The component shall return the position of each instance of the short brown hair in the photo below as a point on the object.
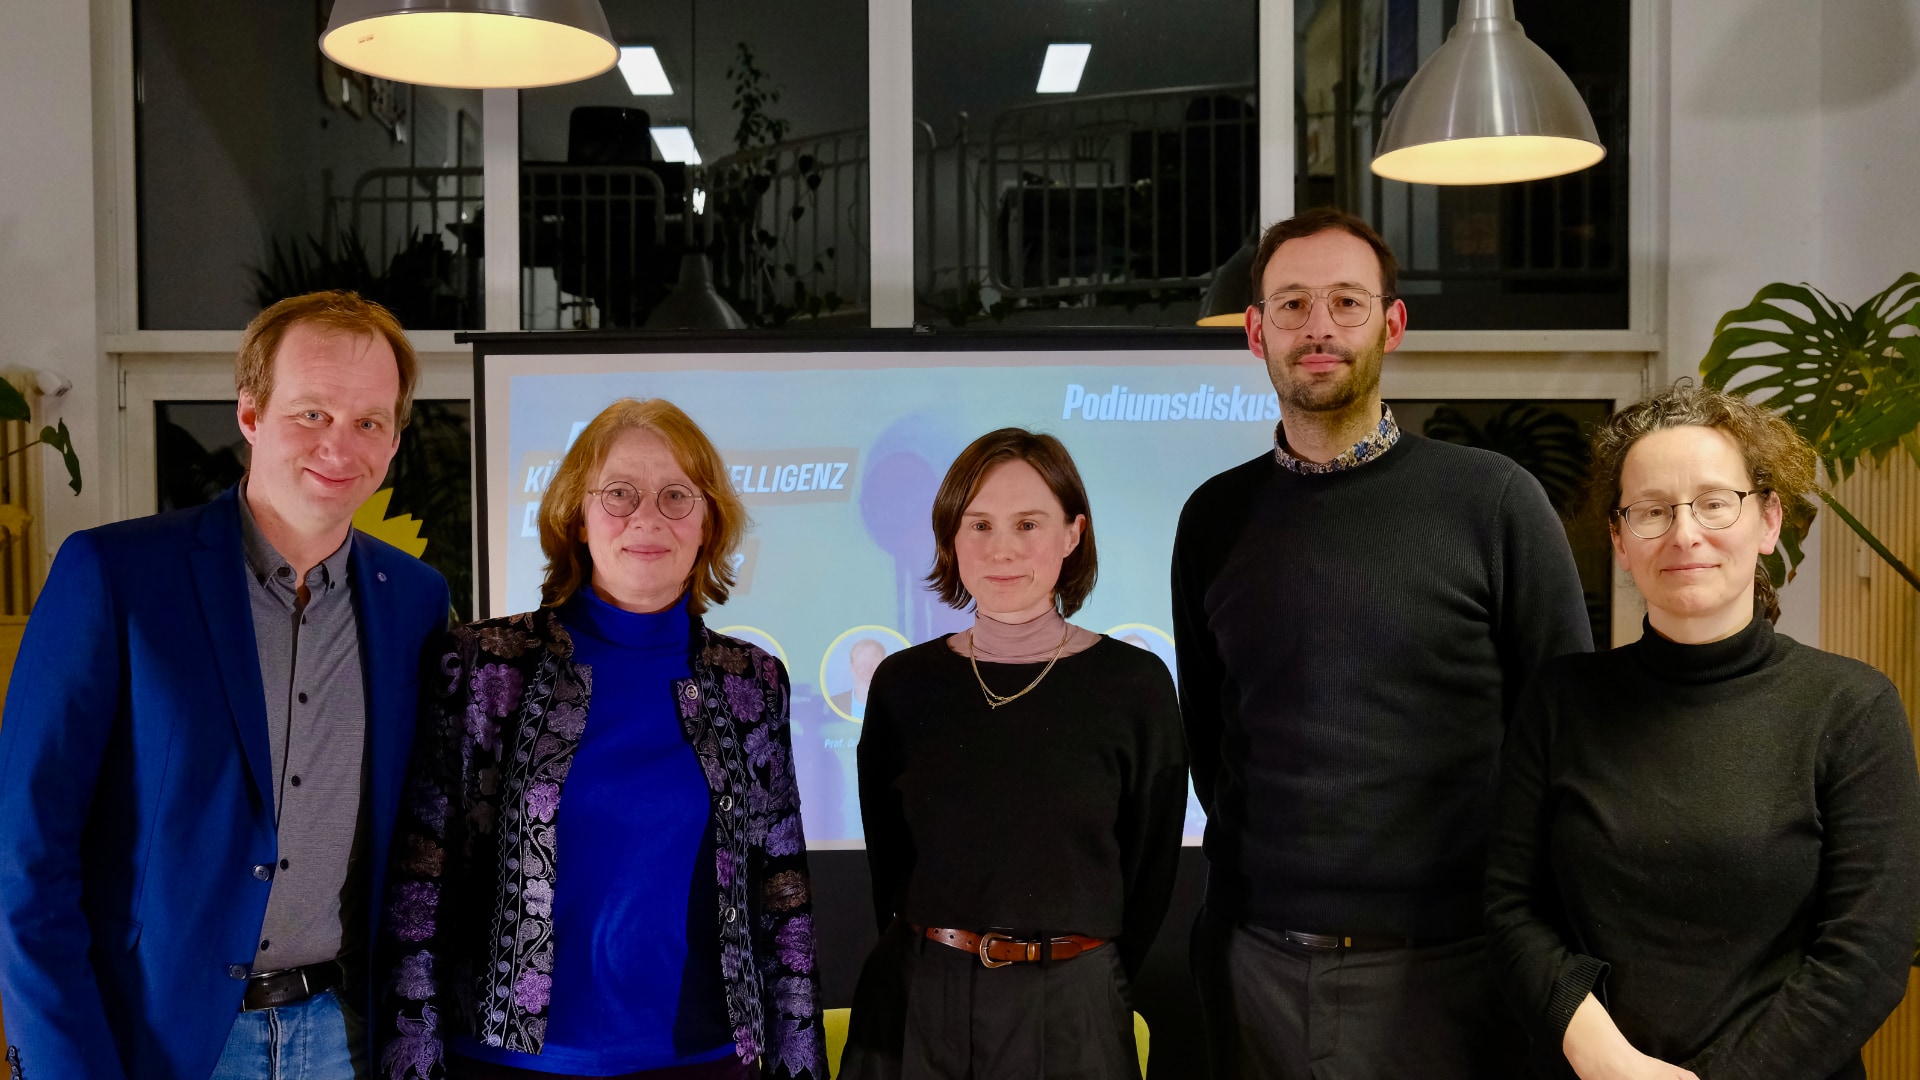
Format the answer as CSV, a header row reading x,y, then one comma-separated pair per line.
x,y
336,311
563,507
1051,460
1318,220
1776,456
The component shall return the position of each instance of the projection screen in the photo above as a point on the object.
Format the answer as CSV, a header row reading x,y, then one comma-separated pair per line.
x,y
837,446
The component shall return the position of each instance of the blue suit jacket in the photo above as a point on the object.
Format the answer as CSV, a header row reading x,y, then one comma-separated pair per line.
x,y
135,781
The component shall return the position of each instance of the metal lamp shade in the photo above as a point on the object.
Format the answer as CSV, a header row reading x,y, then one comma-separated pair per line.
x,y
1488,107
472,44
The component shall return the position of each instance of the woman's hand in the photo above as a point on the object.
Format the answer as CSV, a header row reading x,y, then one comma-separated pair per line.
x,y
1598,1051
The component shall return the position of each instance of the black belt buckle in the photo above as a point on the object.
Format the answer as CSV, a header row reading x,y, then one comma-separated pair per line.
x,y
285,986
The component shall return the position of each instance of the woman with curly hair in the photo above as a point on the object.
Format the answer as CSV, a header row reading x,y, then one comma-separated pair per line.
x,y
601,870
1706,860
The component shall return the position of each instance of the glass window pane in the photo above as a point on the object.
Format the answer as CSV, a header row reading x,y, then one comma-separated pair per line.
x,y
1553,440
199,452
756,113
1110,204
266,171
1551,254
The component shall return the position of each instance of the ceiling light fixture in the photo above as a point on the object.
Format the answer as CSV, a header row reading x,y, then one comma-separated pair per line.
x,y
640,66
1488,107
1060,72
676,144
471,44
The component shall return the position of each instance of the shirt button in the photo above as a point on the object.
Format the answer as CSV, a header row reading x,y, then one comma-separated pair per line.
x,y
236,971
264,944
263,872
284,864
733,914
726,802
303,699
692,691
285,571
295,781
381,575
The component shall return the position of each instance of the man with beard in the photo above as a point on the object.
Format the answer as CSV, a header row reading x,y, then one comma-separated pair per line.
x,y
1355,612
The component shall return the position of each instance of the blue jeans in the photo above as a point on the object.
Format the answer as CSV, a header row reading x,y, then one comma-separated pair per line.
x,y
318,1039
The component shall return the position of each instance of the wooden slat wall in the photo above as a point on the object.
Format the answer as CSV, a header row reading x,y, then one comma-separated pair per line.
x,y
1869,613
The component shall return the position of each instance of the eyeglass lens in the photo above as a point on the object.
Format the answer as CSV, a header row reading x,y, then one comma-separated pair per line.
x,y
1651,518
1346,307
674,501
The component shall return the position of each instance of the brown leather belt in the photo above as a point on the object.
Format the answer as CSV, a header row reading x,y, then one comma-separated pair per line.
x,y
999,950
290,986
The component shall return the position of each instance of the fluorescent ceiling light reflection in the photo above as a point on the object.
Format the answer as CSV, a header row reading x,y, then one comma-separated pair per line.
x,y
676,144
640,66
1060,74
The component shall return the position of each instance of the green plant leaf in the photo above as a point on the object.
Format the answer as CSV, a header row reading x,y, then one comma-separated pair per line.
x,y
13,404
1809,364
61,440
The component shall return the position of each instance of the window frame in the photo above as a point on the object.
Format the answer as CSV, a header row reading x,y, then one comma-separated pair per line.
x,y
1431,363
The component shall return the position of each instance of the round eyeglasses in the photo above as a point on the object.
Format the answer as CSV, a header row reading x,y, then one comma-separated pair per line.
x,y
1650,519
621,499
1346,307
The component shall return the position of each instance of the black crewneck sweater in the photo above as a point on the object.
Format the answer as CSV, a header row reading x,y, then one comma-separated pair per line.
x,y
1721,842
1351,645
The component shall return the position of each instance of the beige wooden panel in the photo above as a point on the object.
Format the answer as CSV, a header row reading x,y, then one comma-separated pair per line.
x,y
1869,613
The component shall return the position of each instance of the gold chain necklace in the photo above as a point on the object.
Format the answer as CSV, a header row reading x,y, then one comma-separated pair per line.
x,y
994,700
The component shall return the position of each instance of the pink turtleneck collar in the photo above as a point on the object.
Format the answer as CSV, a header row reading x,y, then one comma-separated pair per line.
x,y
1030,642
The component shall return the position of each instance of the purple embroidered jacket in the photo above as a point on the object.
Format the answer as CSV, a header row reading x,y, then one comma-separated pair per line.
x,y
468,938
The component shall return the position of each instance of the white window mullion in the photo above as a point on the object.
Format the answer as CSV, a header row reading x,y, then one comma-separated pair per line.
x,y
500,158
1275,62
890,159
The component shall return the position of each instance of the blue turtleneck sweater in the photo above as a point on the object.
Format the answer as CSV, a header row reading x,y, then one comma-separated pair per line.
x,y
636,970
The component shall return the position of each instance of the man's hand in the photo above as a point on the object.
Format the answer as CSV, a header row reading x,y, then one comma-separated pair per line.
x,y
1598,1051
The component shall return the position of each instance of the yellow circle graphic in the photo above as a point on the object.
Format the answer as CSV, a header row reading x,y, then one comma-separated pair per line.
x,y
870,629
1149,628
763,636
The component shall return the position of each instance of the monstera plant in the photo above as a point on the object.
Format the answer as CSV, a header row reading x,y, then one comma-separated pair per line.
x,y
13,406
1847,378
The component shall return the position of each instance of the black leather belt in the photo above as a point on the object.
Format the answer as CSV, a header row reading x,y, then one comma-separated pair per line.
x,y
1361,941
290,986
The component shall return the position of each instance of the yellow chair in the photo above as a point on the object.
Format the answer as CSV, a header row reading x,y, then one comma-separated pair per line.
x,y
835,1021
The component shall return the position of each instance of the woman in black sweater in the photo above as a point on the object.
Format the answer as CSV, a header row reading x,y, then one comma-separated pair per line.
x,y
1707,857
1023,785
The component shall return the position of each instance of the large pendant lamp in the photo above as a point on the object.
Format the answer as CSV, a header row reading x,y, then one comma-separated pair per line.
x,y
471,44
1488,107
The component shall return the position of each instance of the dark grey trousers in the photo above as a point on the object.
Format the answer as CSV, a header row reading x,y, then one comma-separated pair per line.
x,y
1277,1011
925,1011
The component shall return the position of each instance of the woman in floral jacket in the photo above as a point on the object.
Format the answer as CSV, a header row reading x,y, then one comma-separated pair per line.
x,y
600,870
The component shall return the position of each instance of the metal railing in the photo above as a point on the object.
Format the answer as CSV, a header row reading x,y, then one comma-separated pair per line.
x,y
1119,192
595,248
792,226
416,233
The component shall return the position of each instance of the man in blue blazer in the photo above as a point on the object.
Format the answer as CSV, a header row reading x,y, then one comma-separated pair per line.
x,y
205,738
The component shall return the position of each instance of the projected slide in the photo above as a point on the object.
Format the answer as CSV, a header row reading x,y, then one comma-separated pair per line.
x,y
838,455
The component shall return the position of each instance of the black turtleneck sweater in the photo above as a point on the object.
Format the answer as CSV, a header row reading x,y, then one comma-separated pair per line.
x,y
1721,842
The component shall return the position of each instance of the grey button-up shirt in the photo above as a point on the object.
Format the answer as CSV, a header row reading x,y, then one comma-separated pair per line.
x,y
316,726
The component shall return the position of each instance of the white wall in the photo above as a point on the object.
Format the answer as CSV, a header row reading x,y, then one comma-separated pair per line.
x,y
1870,145
48,316
1792,157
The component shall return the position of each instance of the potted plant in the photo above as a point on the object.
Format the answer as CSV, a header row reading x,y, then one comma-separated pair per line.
x,y
1847,378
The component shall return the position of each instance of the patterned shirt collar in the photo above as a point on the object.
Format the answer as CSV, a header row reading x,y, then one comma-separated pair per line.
x,y
1367,449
